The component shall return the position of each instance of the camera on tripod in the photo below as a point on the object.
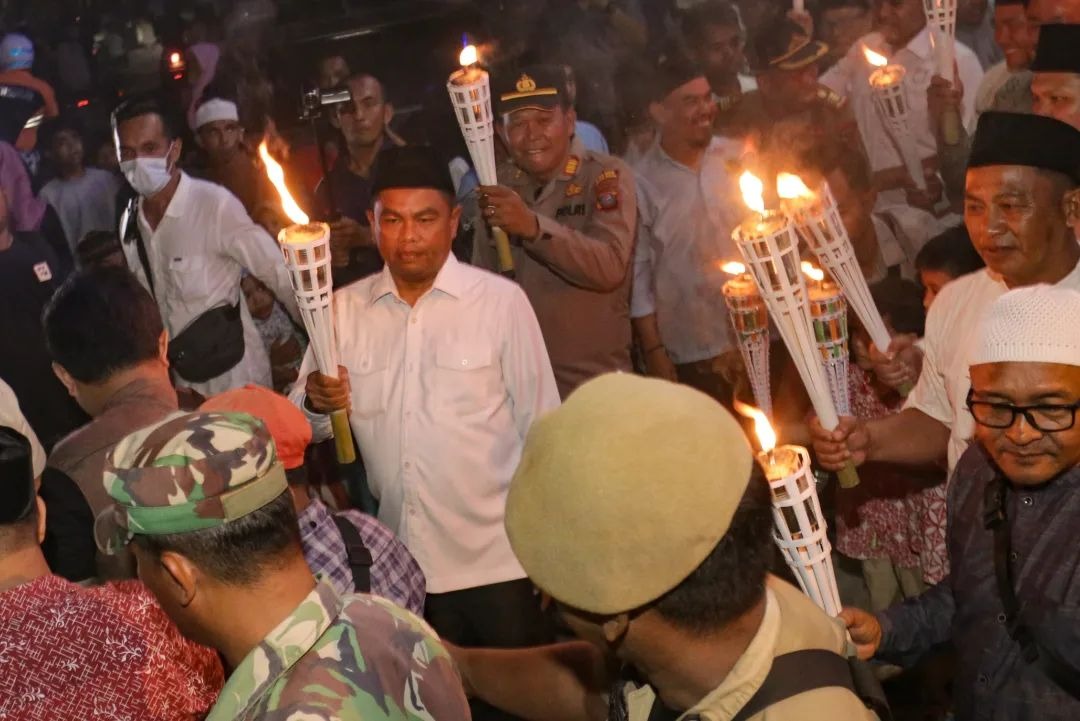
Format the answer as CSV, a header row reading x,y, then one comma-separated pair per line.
x,y
313,100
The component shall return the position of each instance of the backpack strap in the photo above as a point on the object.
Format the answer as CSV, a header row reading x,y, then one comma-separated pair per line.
x,y
359,556
801,671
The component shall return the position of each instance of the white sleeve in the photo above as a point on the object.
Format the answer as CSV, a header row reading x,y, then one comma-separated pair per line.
x,y
971,75
838,78
320,423
525,364
252,247
642,291
930,395
12,417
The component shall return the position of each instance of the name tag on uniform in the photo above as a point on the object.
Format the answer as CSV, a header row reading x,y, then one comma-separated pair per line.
x,y
570,210
43,272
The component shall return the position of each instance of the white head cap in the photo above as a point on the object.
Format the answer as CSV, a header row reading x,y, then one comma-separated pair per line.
x,y
215,109
1035,324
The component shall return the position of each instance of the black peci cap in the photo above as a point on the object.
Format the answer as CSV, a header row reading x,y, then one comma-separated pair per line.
x,y
1058,50
1022,139
410,166
673,70
17,492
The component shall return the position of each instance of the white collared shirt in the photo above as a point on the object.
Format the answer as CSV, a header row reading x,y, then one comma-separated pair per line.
x,y
851,77
443,394
685,221
197,254
952,329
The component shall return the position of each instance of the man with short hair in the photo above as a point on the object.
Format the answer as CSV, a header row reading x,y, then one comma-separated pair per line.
x,y
666,584
902,35
1009,604
349,549
975,29
716,40
76,653
84,198
188,242
1020,202
1007,85
687,210
444,372
570,215
840,23
364,122
1055,82
204,499
110,350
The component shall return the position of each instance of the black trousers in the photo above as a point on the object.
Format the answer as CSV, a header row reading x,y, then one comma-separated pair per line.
x,y
502,615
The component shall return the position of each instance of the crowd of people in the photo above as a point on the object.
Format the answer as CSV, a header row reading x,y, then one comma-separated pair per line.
x,y
556,512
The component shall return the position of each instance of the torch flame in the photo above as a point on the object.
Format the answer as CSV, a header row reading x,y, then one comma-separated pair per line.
x,y
753,191
468,56
277,178
733,267
762,428
812,272
876,59
790,187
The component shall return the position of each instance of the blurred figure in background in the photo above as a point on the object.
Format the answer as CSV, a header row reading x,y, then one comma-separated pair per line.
x,y
16,62
975,29
715,40
1007,85
840,23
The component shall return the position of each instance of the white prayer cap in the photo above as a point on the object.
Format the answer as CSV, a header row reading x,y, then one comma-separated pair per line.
x,y
1034,324
215,109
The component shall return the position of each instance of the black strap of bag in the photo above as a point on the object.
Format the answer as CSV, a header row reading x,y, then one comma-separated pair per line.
x,y
995,519
359,556
129,232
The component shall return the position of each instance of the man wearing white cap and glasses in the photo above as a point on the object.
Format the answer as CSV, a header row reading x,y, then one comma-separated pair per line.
x,y
1010,604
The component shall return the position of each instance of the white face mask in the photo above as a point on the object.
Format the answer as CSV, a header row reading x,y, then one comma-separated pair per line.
x,y
147,175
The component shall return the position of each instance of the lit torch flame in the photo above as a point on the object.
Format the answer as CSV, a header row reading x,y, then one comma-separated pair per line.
x,y
277,178
812,272
790,187
753,191
468,56
733,267
762,428
876,59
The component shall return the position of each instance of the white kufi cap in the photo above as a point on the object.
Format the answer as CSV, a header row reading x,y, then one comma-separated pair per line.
x,y
215,109
1034,324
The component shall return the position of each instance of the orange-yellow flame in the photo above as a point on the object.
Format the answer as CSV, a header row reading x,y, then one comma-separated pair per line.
x,y
762,428
876,59
753,191
277,178
812,272
733,267
790,187
469,56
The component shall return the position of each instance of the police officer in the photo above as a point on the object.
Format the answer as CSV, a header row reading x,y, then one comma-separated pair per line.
x,y
205,499
790,112
570,214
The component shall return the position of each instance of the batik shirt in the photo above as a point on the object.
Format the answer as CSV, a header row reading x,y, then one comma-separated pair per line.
x,y
351,658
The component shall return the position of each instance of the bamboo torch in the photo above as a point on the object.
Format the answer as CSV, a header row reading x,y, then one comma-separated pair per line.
x,y
306,249
890,98
941,17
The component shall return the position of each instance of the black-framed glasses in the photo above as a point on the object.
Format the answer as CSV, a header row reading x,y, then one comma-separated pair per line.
x,y
1048,418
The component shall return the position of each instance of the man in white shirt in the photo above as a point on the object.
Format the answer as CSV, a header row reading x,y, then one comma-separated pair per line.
x,y
1006,86
189,241
444,371
1023,173
688,206
904,38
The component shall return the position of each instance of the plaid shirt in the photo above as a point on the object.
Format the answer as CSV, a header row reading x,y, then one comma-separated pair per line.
x,y
394,572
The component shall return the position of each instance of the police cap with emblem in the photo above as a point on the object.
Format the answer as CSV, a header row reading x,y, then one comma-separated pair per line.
x,y
542,87
17,492
1022,139
1058,50
784,45
624,490
410,166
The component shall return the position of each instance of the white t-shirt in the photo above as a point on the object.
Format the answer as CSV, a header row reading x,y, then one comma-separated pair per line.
x,y
952,328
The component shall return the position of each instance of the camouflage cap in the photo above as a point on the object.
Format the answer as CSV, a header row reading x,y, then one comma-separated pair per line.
x,y
188,472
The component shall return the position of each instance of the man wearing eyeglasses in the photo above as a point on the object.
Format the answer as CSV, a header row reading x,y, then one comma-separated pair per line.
x,y
1011,604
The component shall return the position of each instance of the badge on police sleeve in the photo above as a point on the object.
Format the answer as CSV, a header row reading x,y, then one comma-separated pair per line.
x,y
607,190
42,271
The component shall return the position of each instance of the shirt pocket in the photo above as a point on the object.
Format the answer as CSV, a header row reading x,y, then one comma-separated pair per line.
x,y
368,382
189,281
467,378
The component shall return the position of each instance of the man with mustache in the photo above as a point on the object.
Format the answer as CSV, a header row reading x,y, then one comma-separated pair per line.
x,y
1010,602
570,215
1019,204
688,205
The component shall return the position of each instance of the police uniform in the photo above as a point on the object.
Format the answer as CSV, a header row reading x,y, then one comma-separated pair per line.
x,y
598,524
332,657
576,271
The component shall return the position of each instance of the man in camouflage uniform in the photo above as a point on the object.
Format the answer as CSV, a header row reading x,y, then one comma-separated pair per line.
x,y
204,498
791,112
570,214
